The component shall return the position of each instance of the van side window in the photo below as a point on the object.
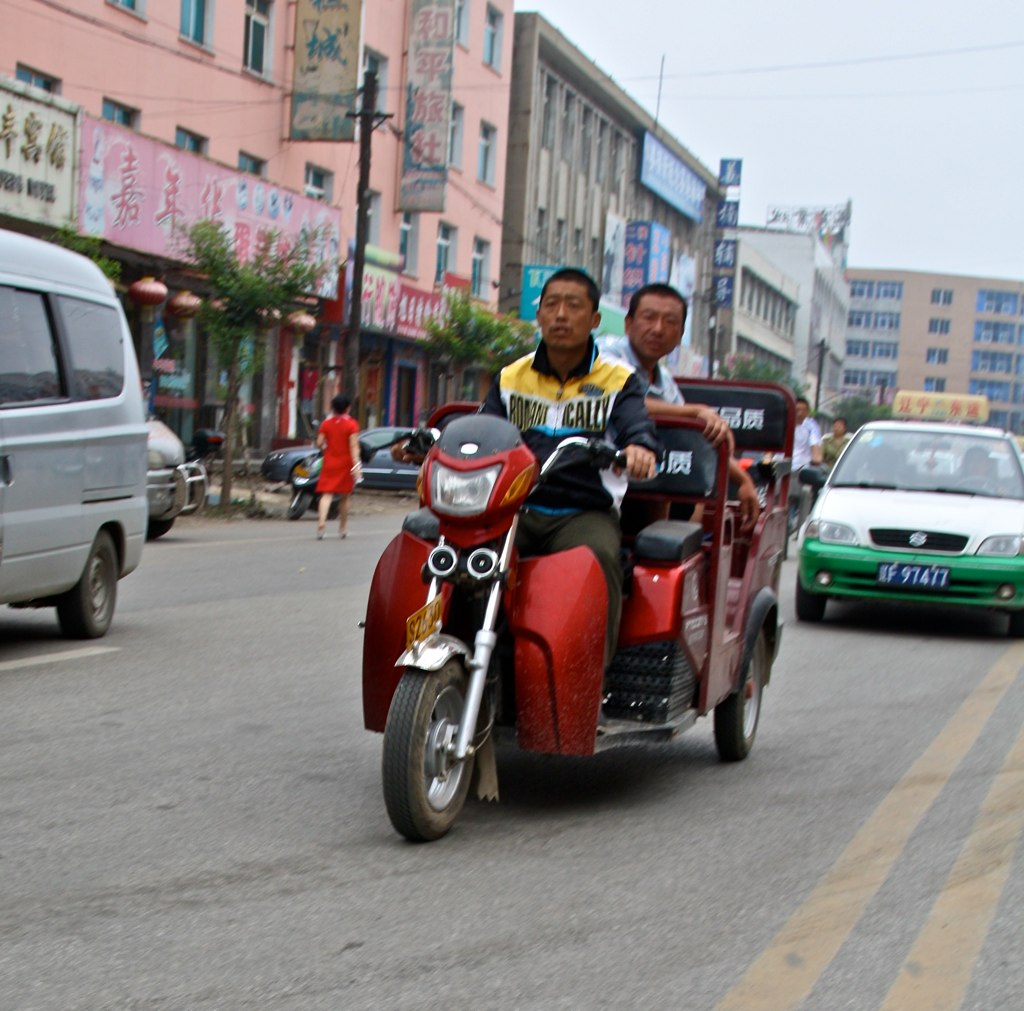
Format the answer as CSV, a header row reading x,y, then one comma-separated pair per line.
x,y
28,356
95,347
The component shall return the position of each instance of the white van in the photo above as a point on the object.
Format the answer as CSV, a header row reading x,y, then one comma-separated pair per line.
x,y
72,437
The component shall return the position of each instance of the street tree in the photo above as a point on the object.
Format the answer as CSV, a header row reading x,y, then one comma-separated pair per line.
x,y
748,367
470,336
246,299
858,411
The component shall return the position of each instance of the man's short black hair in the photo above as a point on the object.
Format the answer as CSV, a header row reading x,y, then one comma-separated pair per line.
x,y
804,401
839,417
655,288
340,403
580,277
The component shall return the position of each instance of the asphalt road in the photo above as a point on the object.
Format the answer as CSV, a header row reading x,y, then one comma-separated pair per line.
x,y
191,817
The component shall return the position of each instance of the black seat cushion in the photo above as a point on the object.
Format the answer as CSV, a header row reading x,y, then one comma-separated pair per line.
x,y
668,541
423,524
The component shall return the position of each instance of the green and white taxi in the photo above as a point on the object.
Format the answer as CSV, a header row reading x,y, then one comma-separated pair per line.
x,y
918,511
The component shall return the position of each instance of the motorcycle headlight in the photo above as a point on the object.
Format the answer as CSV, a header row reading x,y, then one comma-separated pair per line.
x,y
461,492
155,459
1006,545
830,533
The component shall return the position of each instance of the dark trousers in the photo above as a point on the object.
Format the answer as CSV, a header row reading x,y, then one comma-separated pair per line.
x,y
543,534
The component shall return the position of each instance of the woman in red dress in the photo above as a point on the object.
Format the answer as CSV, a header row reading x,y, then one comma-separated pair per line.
x,y
339,439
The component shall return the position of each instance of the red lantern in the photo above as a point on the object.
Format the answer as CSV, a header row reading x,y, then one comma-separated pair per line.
x,y
147,291
184,305
300,322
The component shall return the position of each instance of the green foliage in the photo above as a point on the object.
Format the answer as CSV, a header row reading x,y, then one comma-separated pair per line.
x,y
89,246
859,411
470,335
748,367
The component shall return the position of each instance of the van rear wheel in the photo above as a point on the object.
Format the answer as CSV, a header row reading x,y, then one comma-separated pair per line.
x,y
86,610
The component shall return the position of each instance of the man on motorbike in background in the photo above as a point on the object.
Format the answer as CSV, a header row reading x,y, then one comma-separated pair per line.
x,y
565,387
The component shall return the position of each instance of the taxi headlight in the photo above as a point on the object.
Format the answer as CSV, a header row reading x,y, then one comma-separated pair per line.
x,y
1001,544
830,533
461,492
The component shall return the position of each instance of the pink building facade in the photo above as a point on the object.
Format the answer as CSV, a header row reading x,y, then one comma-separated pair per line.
x,y
177,111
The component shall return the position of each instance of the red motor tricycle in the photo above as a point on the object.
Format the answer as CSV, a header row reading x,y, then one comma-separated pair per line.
x,y
466,641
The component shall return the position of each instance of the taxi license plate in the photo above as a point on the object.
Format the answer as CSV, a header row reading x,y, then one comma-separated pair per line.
x,y
421,624
926,577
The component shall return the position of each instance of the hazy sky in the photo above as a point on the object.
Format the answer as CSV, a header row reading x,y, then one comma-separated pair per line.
x,y
913,109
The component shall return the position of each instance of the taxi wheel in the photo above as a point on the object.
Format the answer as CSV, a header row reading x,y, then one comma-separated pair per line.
x,y
1016,628
809,606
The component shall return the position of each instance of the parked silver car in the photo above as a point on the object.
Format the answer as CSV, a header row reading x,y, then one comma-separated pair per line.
x,y
174,487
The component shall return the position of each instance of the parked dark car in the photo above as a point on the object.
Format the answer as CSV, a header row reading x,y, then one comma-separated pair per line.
x,y
379,469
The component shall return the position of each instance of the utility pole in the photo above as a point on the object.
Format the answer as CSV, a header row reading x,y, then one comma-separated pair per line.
x,y
369,120
821,363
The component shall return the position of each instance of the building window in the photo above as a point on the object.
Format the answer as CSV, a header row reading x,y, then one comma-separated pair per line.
x,y
568,125
862,289
319,183
446,236
193,21
189,141
884,349
942,296
409,242
547,128
586,139
937,356
887,321
251,164
890,289
939,326
561,233
257,35
934,384
38,80
492,38
481,269
986,332
455,136
462,22
595,256
373,218
129,5
992,361
577,247
858,349
379,65
488,154
541,240
855,377
123,115
991,388
1003,302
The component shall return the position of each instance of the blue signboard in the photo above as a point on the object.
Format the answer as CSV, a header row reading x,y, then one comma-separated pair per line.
x,y
730,171
648,252
728,214
723,291
667,175
534,277
725,253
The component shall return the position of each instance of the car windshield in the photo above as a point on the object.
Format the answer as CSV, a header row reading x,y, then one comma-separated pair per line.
x,y
952,463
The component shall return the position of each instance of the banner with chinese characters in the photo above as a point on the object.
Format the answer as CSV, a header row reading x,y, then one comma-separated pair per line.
x,y
326,78
142,194
37,157
648,256
940,406
427,105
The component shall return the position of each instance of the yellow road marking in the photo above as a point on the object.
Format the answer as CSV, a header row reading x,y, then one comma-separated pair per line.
x,y
938,969
68,654
786,971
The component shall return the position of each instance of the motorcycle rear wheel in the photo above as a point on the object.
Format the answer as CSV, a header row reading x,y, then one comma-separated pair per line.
x,y
300,502
737,715
424,790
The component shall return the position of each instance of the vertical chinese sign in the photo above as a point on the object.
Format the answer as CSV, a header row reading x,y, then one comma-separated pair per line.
x,y
326,78
427,105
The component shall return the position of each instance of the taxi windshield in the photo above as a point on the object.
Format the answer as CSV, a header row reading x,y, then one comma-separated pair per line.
x,y
918,460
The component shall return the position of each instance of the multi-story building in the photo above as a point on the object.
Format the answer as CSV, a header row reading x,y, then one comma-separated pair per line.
x,y
594,182
760,322
819,327
191,109
944,333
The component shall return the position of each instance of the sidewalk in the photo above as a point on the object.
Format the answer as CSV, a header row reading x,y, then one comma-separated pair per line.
x,y
273,497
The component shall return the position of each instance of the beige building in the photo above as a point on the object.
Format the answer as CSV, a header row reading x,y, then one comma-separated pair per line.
x,y
592,181
937,332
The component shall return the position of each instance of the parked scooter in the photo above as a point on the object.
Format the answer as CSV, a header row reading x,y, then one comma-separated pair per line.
x,y
305,475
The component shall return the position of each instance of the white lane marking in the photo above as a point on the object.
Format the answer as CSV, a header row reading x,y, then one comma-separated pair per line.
x,y
68,654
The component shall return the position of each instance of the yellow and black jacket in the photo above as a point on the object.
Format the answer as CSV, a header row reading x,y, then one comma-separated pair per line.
x,y
601,398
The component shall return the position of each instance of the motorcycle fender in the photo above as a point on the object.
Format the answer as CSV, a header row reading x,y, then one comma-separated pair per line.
x,y
557,613
396,591
434,653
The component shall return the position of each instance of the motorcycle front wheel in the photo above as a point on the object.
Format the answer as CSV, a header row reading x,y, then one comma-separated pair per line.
x,y
424,789
300,502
